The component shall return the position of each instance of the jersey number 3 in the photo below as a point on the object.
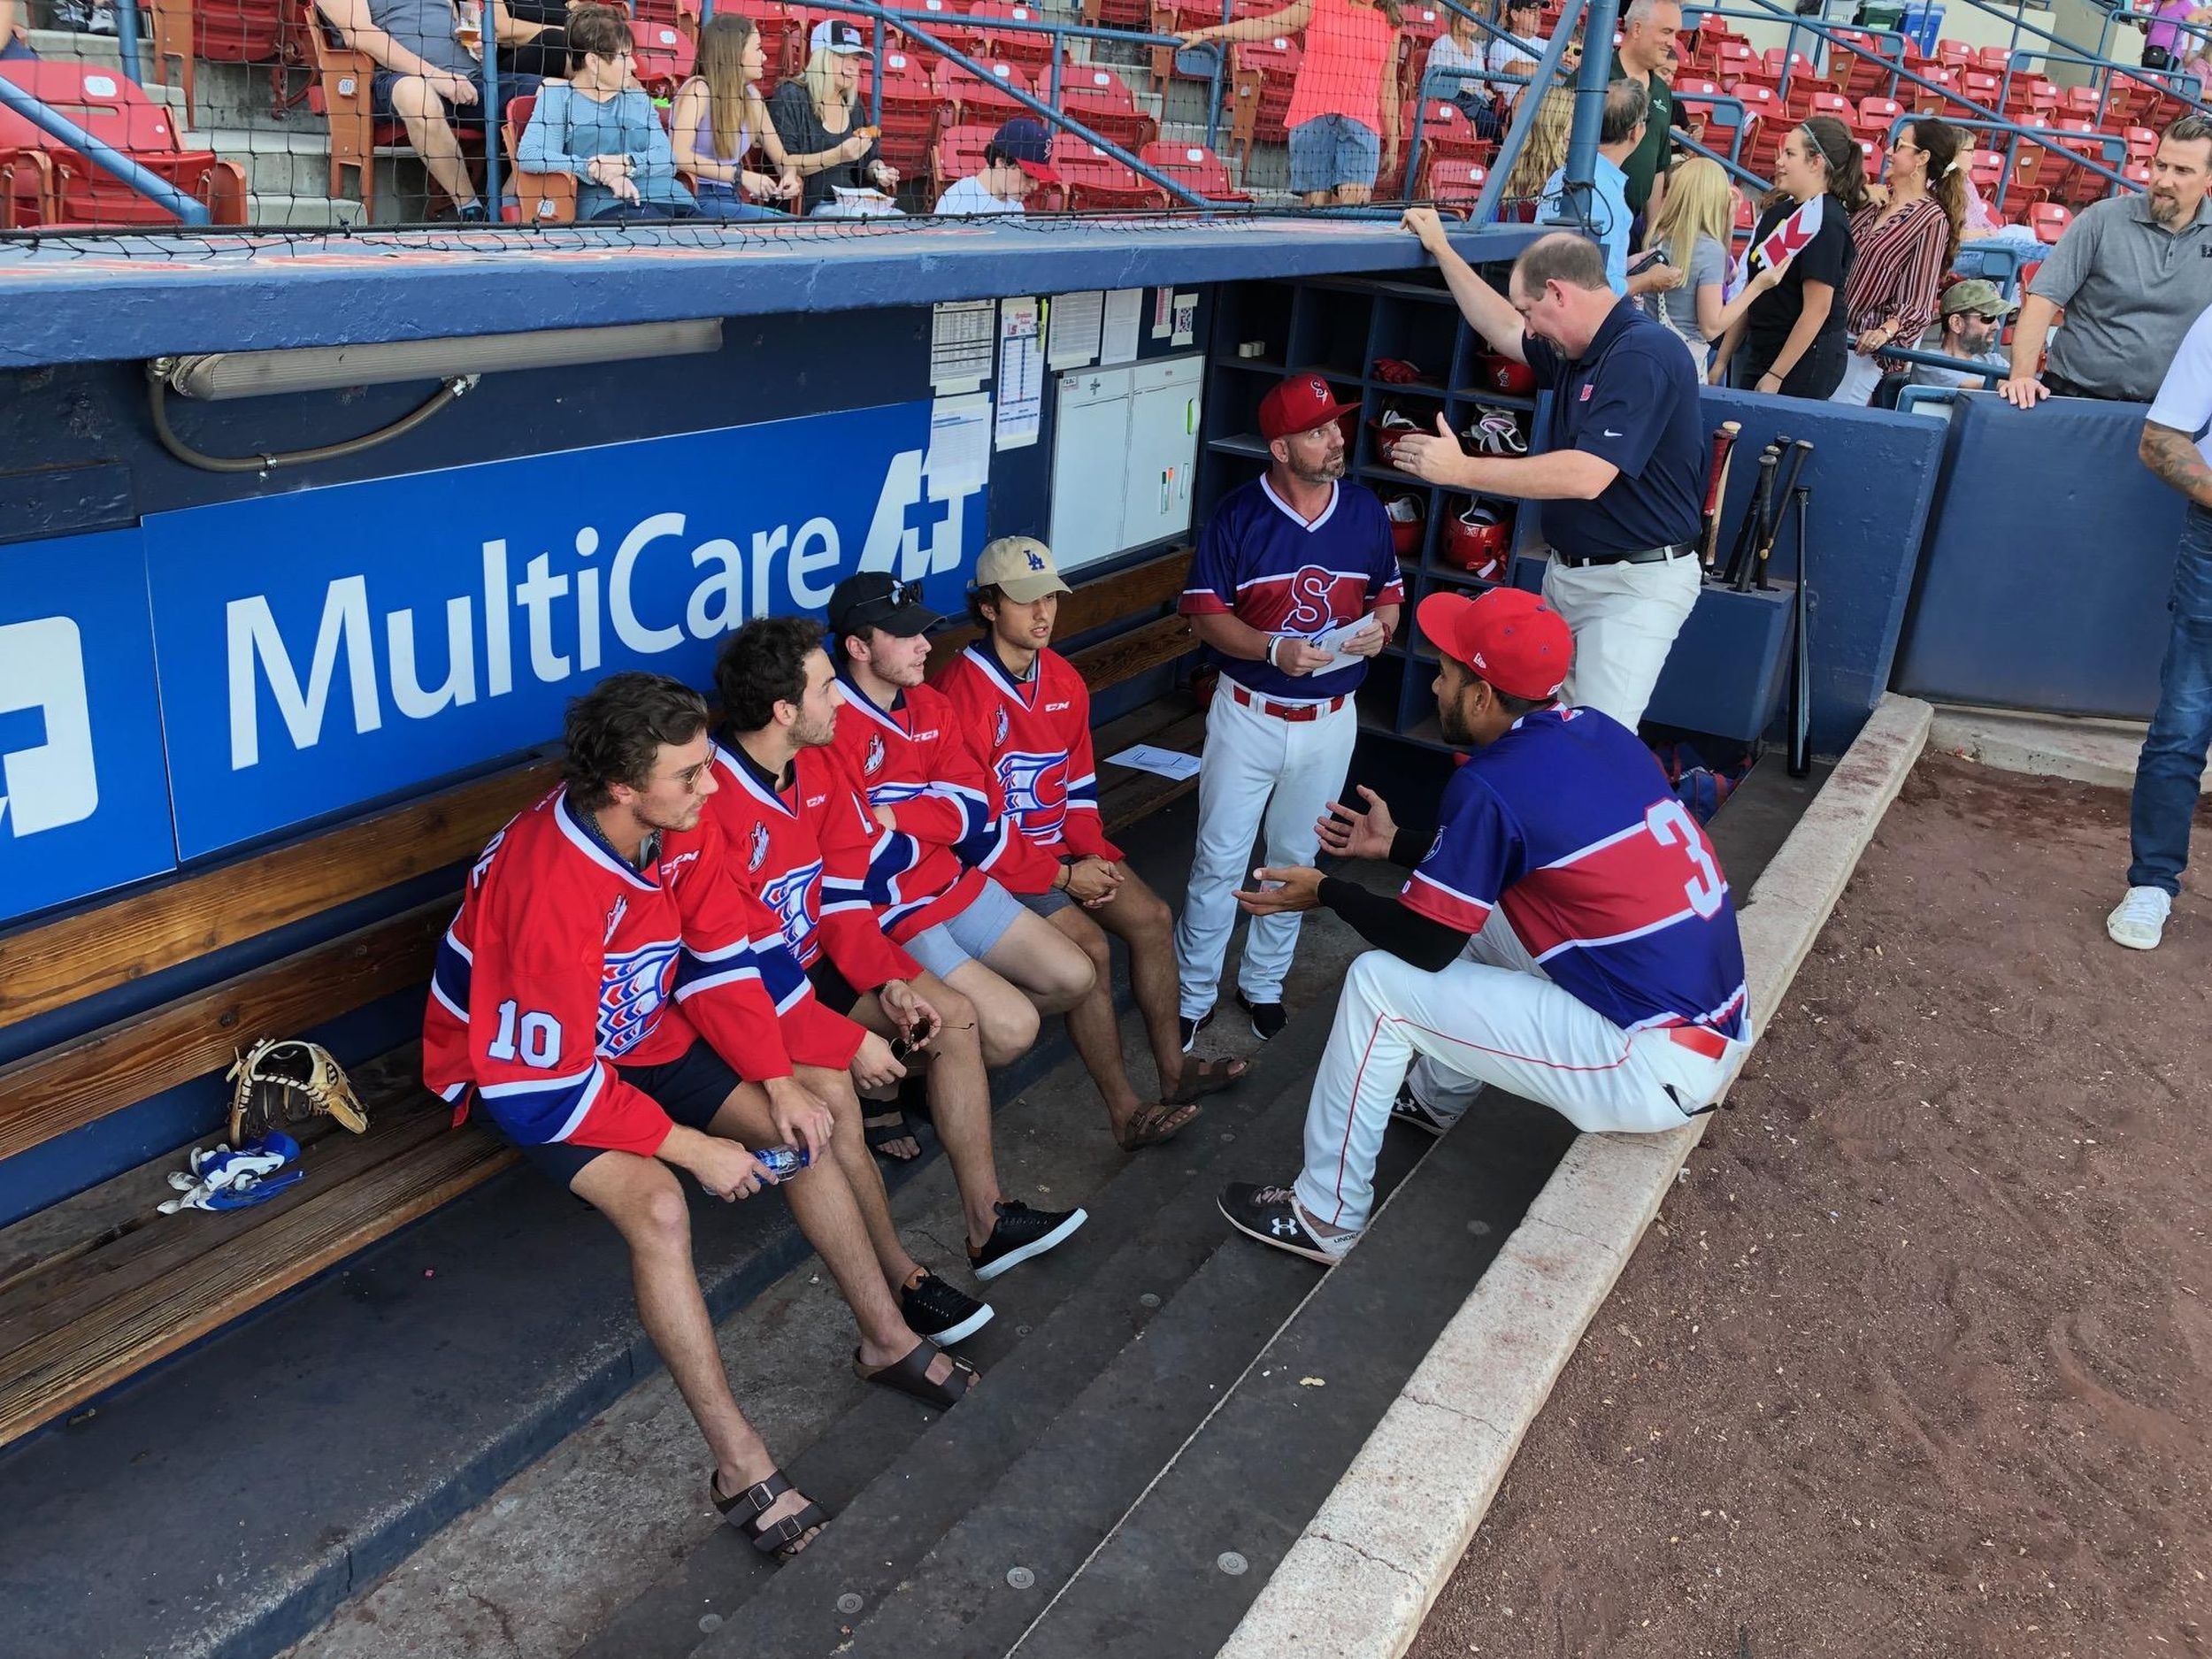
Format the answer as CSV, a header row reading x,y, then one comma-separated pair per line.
x,y
1671,826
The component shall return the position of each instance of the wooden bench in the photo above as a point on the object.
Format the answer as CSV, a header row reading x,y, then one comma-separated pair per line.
x,y
99,1285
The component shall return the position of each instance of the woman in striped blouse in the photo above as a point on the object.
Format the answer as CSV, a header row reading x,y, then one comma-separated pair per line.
x,y
1906,242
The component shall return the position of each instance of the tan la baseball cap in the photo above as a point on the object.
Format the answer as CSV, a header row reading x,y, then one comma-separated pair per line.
x,y
1020,567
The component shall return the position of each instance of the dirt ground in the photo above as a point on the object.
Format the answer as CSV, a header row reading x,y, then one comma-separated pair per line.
x,y
1918,1359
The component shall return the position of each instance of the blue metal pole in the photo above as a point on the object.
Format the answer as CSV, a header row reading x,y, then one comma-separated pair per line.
x,y
1597,60
875,89
489,23
127,40
110,160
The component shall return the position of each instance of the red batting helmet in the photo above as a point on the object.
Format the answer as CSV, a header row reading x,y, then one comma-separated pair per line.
x,y
1502,374
1406,514
1480,540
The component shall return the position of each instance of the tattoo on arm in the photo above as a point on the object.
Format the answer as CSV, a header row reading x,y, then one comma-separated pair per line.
x,y
2173,456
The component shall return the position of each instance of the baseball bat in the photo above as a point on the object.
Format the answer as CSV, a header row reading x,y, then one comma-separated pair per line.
x,y
1740,561
1746,528
1801,656
1717,487
1799,450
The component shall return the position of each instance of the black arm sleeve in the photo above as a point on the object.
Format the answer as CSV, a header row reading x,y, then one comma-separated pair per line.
x,y
1410,847
1387,925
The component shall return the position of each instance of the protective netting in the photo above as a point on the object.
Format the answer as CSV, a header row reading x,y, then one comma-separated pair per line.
x,y
721,126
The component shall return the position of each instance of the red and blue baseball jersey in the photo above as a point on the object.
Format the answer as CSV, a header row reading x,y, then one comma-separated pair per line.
x,y
564,961
912,759
807,849
1034,737
1568,822
1260,562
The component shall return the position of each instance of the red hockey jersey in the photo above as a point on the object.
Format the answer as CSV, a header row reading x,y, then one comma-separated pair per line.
x,y
912,759
808,851
1034,735
530,1012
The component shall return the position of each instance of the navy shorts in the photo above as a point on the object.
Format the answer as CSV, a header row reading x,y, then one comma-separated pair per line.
x,y
832,989
510,87
690,1089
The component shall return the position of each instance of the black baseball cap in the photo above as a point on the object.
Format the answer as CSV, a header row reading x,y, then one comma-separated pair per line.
x,y
877,599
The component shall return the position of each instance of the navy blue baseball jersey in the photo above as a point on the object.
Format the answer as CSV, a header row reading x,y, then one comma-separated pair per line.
x,y
1261,562
1568,822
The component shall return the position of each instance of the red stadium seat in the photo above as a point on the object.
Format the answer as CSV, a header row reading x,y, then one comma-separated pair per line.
x,y
1453,182
957,154
1955,54
69,190
1874,116
1981,87
987,101
2049,220
1193,165
2142,143
1093,181
1025,47
913,104
1262,83
1103,101
662,56
545,198
1927,100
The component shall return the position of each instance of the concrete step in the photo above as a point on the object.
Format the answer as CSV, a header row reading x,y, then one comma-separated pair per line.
x,y
896,1479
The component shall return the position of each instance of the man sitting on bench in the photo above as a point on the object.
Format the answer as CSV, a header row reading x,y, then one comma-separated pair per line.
x,y
591,992
1027,711
799,830
901,741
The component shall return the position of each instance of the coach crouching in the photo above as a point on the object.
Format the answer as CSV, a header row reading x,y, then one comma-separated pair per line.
x,y
1624,464
1566,934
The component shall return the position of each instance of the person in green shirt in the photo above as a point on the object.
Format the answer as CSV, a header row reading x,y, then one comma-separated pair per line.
x,y
1647,57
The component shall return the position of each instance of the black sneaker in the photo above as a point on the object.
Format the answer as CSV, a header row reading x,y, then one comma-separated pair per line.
x,y
942,1313
1268,1019
1022,1233
1271,1215
1408,1109
1191,1027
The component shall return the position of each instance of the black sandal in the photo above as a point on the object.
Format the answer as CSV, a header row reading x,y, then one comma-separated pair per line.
x,y
886,1126
910,1376
781,1537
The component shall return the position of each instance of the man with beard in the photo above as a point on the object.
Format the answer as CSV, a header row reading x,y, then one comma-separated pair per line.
x,y
1295,585
1623,463
1974,315
2133,272
1565,934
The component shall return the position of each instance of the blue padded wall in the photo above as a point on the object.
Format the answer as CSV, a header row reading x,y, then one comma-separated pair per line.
x,y
2043,581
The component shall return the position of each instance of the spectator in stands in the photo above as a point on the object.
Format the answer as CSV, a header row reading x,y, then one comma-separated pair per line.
x,y
12,43
1974,315
1693,221
1519,54
817,117
1904,244
1793,335
1343,117
1604,211
2133,273
2162,39
600,125
532,45
719,117
426,79
1646,57
1018,159
1544,152
1459,50
2170,774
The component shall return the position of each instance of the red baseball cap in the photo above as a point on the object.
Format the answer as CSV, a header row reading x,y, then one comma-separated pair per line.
x,y
1507,636
1299,405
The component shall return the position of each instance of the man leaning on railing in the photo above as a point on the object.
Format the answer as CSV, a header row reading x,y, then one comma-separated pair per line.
x,y
2133,272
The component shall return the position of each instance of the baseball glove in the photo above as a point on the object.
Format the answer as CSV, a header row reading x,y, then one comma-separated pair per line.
x,y
282,1080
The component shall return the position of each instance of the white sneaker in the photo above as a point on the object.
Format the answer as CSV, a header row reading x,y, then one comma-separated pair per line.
x,y
2138,919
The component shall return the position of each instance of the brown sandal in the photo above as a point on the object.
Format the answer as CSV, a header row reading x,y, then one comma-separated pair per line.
x,y
1152,1125
910,1376
1201,1077
782,1539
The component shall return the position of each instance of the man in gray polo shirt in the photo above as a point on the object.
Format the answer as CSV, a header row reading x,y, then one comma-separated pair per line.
x,y
2133,272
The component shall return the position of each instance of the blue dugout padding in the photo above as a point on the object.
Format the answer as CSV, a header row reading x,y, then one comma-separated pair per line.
x,y
1873,474
2043,577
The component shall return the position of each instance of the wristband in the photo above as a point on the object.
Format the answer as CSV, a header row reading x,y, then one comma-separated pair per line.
x,y
1268,656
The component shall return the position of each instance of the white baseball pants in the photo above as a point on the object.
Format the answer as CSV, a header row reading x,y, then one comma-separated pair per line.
x,y
1490,1017
1623,617
1259,772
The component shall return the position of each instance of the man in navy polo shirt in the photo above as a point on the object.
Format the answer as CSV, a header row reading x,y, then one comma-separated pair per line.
x,y
1621,469
1295,585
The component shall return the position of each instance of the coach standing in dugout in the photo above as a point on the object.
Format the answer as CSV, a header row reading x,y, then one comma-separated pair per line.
x,y
1624,461
1295,585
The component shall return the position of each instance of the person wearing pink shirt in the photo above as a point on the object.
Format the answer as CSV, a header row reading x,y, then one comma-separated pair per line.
x,y
1343,118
